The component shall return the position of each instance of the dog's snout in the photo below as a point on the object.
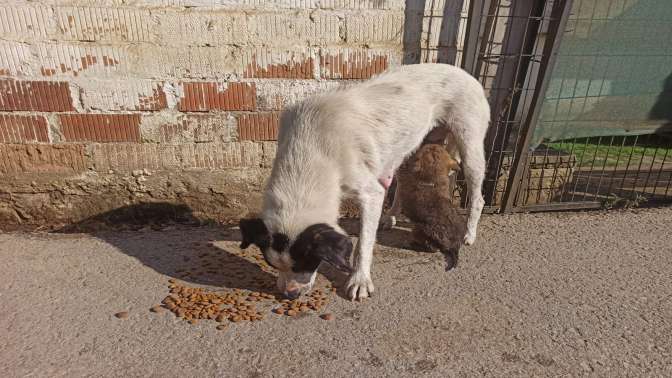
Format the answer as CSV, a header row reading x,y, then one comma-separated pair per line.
x,y
293,294
292,284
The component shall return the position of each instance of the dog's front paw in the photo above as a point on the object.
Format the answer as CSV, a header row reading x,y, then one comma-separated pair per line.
x,y
469,238
388,222
359,286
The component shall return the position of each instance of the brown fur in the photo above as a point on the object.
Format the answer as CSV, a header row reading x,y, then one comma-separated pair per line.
x,y
426,201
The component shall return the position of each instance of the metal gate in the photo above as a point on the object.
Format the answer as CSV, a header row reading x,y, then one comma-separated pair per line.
x,y
581,101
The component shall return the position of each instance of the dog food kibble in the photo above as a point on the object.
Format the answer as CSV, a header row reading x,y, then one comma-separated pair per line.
x,y
232,305
327,316
156,309
121,315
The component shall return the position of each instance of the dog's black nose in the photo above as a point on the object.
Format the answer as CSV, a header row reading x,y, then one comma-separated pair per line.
x,y
293,294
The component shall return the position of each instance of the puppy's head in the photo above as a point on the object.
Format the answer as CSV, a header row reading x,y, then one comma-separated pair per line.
x,y
433,161
297,260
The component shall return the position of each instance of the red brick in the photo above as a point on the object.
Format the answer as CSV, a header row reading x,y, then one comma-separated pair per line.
x,y
354,65
258,126
47,96
289,70
100,127
202,97
23,129
156,101
42,158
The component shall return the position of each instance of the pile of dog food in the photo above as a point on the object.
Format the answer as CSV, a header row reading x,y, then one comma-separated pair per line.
x,y
234,269
193,304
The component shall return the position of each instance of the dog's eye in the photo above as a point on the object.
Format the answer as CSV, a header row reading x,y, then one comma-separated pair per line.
x,y
280,242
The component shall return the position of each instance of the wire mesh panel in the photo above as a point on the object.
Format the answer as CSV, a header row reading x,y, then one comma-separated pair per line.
x,y
601,171
434,31
504,48
603,135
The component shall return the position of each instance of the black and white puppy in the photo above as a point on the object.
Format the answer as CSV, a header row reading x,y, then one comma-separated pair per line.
x,y
350,142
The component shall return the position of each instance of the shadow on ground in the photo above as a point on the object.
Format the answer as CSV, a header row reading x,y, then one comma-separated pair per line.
x,y
208,256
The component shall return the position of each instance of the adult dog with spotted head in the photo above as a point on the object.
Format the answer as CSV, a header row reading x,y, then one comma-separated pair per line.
x,y
349,142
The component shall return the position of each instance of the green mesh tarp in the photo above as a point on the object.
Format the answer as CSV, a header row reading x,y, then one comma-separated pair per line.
x,y
613,75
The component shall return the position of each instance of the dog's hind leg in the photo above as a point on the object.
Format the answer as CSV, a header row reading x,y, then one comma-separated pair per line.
x,y
472,150
371,199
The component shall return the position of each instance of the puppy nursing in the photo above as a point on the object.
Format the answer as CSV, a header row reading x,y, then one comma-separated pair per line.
x,y
349,142
427,179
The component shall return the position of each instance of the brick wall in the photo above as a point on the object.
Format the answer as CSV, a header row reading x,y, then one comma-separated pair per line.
x,y
168,86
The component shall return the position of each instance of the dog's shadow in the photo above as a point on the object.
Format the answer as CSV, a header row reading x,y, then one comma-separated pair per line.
x,y
171,241
398,237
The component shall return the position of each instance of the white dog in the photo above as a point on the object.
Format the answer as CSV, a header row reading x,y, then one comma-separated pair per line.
x,y
350,142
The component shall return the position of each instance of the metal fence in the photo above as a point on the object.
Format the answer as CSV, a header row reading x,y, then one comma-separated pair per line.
x,y
580,97
604,121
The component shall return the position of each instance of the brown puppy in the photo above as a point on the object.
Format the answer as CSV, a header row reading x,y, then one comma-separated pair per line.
x,y
427,180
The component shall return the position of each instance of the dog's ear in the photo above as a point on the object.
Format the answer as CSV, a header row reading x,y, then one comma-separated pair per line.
x,y
254,231
324,243
336,251
453,165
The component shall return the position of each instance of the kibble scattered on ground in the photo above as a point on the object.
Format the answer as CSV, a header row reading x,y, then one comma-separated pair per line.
x,y
193,304
327,316
236,305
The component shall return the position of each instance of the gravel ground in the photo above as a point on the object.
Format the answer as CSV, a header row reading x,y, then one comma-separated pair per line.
x,y
538,294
